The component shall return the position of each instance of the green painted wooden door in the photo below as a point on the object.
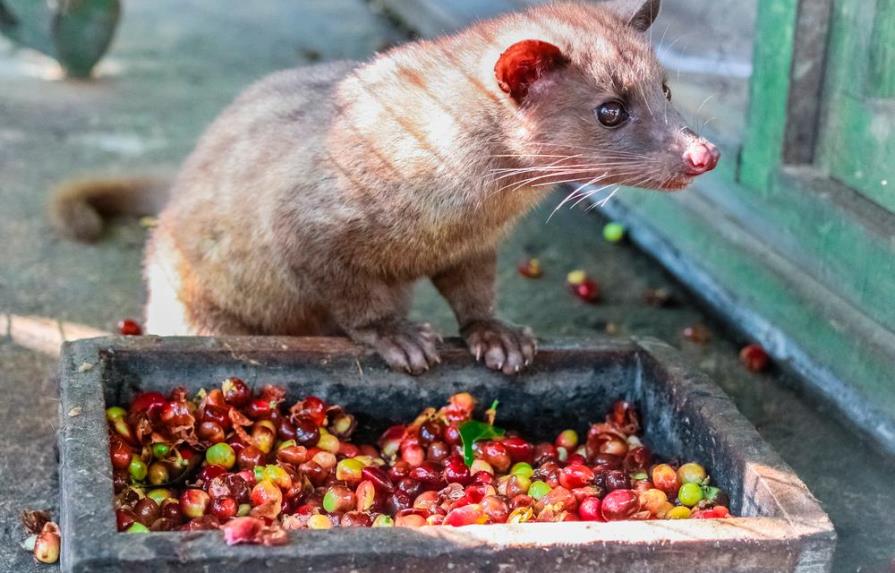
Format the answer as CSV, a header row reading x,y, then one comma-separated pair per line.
x,y
858,136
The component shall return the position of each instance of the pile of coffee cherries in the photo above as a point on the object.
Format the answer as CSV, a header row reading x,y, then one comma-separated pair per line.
x,y
255,466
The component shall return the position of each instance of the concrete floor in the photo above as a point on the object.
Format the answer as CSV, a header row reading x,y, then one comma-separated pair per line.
x,y
173,67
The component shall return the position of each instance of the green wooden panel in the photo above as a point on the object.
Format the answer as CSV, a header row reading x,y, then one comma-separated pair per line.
x,y
768,92
840,339
823,230
882,50
858,139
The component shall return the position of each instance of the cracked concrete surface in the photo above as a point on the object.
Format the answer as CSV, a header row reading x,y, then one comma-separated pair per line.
x,y
173,66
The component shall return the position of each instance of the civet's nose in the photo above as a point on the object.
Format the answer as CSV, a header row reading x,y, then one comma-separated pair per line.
x,y
700,157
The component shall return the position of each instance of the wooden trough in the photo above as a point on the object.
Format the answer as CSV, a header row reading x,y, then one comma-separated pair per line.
x,y
782,527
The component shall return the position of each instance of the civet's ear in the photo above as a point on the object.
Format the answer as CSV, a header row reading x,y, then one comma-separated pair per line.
x,y
639,14
524,63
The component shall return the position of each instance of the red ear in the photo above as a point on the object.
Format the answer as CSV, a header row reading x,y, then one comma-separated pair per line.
x,y
523,63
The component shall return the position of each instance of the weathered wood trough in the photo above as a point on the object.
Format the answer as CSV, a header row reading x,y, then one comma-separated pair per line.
x,y
685,415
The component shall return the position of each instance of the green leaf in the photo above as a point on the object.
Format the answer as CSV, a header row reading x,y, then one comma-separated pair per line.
x,y
471,432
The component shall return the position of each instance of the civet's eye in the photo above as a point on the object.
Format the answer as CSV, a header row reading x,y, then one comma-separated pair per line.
x,y
667,91
611,113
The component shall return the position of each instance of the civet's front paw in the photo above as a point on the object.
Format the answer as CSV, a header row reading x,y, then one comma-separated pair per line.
x,y
503,346
407,346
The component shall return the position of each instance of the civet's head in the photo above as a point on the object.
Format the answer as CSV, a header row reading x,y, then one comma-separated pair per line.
x,y
590,100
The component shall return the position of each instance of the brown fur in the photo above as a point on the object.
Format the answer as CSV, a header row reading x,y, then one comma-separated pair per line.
x,y
77,208
318,198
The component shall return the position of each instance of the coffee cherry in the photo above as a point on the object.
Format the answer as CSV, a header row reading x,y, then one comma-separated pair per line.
x,y
620,504
121,454
427,473
538,489
495,453
611,480
590,509
224,508
588,291
496,508
160,450
567,439
471,514
690,494
221,454
365,494
137,468
530,268
355,519
147,511
329,443
518,449
124,518
691,473
170,509
430,432
208,473
158,473
236,392
523,469
338,499
349,470
115,413
573,476
583,286
319,522
313,408
249,457
264,434
194,503
383,520
613,232
129,327
666,479
378,478
159,495
754,358
275,474
679,512
176,414
480,466
292,454
560,499
653,500
451,434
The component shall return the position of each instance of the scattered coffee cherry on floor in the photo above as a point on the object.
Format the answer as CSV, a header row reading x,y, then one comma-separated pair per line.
x,y
129,327
614,232
530,269
582,286
754,358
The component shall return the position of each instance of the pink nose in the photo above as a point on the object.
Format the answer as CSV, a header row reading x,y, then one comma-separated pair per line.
x,y
700,157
